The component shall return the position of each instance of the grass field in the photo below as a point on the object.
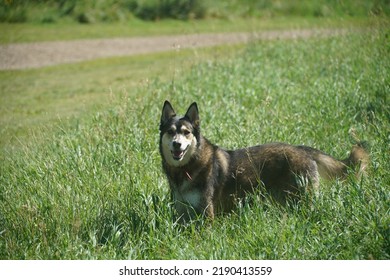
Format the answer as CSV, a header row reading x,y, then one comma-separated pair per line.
x,y
45,97
18,33
94,189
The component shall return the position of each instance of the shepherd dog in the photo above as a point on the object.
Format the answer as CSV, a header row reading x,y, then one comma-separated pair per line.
x,y
206,180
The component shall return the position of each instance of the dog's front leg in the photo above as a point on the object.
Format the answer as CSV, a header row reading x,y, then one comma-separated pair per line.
x,y
209,210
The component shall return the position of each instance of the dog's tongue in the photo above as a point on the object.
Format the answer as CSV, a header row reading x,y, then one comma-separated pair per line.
x,y
177,154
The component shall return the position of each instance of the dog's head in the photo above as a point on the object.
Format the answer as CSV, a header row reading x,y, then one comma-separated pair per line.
x,y
179,136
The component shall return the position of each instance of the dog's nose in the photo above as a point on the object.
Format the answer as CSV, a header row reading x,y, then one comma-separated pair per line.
x,y
176,144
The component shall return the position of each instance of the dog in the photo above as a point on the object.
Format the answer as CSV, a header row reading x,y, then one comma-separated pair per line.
x,y
206,180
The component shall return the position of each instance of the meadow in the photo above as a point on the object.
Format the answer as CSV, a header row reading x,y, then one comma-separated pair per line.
x,y
92,187
22,33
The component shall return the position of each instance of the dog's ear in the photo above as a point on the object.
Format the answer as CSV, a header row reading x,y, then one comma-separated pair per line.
x,y
167,112
193,114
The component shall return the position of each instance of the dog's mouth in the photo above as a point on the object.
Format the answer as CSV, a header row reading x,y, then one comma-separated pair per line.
x,y
178,154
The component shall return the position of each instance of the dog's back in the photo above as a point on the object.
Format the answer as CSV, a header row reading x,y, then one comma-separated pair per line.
x,y
280,168
285,170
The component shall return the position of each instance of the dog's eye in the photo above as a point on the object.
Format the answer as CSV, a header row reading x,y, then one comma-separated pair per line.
x,y
186,132
171,131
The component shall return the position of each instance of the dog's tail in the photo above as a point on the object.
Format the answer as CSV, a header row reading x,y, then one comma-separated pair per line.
x,y
331,168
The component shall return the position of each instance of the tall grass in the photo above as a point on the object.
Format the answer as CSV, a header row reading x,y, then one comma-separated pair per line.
x,y
96,190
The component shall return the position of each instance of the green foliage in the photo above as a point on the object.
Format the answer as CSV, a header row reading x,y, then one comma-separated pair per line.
x,y
96,190
176,9
92,11
306,8
13,11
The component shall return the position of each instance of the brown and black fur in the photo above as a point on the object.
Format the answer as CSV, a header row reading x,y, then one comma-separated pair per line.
x,y
213,178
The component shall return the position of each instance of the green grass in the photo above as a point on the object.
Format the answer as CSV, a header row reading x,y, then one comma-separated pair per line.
x,y
95,189
33,32
32,99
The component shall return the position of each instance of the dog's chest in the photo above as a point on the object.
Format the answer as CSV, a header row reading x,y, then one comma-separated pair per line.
x,y
185,194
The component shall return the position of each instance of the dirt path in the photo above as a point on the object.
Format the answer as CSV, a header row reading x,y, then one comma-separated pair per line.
x,y
35,55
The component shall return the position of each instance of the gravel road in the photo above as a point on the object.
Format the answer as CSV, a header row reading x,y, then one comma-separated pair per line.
x,y
35,55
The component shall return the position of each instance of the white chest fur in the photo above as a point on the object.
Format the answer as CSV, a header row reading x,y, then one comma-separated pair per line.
x,y
186,198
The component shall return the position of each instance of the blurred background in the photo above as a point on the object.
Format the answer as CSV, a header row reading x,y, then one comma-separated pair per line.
x,y
92,11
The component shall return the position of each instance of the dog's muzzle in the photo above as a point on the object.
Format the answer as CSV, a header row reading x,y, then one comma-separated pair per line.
x,y
178,154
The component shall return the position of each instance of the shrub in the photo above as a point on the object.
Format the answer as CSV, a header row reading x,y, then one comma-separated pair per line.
x,y
13,11
176,9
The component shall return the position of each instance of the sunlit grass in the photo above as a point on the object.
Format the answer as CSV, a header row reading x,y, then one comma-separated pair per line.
x,y
95,189
29,32
41,97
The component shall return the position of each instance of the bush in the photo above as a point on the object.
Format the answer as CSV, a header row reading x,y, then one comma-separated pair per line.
x,y
176,9
13,11
89,11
